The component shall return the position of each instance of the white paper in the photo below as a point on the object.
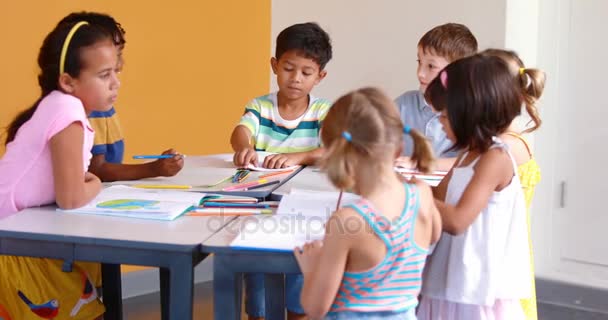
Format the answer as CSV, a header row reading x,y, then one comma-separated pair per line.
x,y
278,233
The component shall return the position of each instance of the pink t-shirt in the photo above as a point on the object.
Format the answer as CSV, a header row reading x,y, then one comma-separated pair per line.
x,y
26,171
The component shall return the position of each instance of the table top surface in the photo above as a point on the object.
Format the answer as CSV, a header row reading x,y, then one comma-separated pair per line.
x,y
202,171
45,223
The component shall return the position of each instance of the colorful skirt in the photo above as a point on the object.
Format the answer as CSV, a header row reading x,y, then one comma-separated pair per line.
x,y
37,288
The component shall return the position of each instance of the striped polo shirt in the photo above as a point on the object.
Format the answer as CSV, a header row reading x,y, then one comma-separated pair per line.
x,y
272,133
394,284
108,135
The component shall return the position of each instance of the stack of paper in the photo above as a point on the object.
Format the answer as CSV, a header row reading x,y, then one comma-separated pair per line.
x,y
123,201
432,178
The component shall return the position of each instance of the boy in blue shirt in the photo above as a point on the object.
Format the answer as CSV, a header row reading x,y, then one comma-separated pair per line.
x,y
436,49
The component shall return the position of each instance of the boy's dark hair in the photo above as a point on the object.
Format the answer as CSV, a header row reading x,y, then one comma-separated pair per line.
x,y
102,20
48,61
308,39
452,41
481,97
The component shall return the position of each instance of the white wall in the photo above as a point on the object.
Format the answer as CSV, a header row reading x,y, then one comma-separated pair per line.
x,y
375,42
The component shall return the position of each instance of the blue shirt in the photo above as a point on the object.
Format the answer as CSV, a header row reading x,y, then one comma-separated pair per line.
x,y
108,135
417,114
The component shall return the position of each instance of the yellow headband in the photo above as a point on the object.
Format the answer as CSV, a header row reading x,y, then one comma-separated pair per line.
x,y
66,44
522,71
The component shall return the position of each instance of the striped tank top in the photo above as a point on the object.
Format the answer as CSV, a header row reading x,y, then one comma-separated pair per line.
x,y
394,284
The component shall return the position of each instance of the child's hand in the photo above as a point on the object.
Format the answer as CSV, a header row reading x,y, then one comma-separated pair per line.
x,y
169,167
308,255
282,160
244,157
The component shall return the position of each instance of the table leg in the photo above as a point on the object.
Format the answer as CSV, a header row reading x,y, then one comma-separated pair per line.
x,y
274,285
112,291
227,290
179,280
165,287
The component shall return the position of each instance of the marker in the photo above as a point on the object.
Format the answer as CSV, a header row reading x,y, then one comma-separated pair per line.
x,y
156,156
262,185
276,173
235,205
244,185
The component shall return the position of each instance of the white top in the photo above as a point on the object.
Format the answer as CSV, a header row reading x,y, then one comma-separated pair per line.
x,y
491,259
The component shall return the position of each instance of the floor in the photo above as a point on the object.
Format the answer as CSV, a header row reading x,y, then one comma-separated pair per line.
x,y
147,308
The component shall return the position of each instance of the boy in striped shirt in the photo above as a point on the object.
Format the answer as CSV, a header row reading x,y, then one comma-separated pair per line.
x,y
288,122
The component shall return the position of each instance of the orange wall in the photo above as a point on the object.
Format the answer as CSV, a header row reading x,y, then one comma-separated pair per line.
x,y
190,66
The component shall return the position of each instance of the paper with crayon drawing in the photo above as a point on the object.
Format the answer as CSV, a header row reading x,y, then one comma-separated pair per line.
x,y
123,201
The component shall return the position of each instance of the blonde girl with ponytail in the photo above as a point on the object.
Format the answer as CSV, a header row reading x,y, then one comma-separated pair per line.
x,y
376,247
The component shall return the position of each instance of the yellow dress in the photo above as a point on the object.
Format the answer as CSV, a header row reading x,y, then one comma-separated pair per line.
x,y
37,288
529,174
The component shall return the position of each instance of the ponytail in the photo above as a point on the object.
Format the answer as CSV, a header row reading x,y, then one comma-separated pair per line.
x,y
423,153
20,119
533,84
340,162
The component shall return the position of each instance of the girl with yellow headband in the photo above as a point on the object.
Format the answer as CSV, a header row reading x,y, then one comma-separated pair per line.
x,y
48,149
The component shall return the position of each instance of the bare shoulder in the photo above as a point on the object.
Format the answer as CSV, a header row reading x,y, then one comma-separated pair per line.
x,y
518,148
495,167
344,225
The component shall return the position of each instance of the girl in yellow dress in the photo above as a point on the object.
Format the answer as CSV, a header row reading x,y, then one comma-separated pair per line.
x,y
533,82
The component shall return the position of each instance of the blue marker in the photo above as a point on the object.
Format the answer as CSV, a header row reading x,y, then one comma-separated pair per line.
x,y
236,205
155,156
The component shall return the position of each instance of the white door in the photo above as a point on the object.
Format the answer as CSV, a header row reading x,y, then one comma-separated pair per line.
x,y
581,175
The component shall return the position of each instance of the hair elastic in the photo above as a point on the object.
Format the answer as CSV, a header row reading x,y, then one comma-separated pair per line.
x,y
444,79
407,129
347,136
522,71
66,44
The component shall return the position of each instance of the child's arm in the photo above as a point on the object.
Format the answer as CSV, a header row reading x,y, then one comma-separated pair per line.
x,y
244,153
73,187
445,164
108,172
493,172
284,160
323,265
428,223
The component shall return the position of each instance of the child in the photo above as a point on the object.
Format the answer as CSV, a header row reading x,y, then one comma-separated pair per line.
x,y
373,270
480,267
47,154
109,145
533,83
288,122
436,49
